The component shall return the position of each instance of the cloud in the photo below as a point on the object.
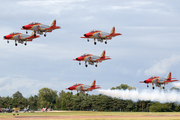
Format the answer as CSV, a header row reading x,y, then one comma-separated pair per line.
x,y
163,65
177,84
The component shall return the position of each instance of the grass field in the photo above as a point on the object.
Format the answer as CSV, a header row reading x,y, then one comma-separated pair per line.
x,y
88,115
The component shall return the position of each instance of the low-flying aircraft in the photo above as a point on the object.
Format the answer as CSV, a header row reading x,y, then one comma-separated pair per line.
x,y
100,36
82,88
158,81
91,59
26,109
21,38
40,28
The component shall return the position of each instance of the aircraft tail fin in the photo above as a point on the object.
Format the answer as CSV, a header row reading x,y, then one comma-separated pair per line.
x,y
169,76
93,83
112,31
53,24
103,54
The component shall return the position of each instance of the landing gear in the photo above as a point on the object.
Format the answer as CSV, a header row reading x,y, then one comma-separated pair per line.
x,y
163,87
77,94
86,65
96,65
152,87
88,40
79,63
71,93
15,44
45,34
105,42
147,85
7,41
94,42
86,94
26,32
25,43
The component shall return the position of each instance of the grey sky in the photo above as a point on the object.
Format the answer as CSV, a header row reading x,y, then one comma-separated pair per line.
x,y
149,44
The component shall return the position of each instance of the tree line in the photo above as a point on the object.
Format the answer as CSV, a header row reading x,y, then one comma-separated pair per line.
x,y
66,101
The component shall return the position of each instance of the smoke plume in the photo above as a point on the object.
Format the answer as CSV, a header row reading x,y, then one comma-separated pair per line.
x,y
152,95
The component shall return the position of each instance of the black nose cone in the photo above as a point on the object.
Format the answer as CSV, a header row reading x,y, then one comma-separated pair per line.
x,y
23,27
85,35
5,37
76,58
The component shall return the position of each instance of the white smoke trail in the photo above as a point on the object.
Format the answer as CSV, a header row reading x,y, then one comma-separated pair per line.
x,y
152,95
177,84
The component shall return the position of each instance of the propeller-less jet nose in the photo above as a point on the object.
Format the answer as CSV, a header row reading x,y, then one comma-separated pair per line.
x,y
84,35
5,37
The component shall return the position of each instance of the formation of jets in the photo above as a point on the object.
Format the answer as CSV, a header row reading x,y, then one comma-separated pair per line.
x,y
158,81
35,27
39,28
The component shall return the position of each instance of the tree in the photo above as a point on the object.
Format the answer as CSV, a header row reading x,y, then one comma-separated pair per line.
x,y
46,97
124,87
17,95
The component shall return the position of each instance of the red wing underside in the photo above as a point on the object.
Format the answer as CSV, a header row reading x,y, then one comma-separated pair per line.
x,y
170,81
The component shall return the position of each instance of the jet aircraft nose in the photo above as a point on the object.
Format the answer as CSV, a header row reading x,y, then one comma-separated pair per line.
x,y
84,35
5,37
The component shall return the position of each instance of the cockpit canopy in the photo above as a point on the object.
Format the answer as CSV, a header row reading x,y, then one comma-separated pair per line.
x,y
153,77
85,55
33,23
13,33
77,84
92,31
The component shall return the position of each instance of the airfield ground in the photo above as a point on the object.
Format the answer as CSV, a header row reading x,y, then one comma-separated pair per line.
x,y
60,115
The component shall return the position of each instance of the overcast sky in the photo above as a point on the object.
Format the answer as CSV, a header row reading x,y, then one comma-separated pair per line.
x,y
149,44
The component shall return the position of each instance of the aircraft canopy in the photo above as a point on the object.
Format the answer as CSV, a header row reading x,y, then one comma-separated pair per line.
x,y
85,55
33,23
92,31
13,33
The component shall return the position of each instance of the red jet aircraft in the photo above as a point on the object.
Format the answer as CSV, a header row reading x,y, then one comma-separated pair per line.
x,y
158,81
40,28
100,36
21,38
91,59
82,88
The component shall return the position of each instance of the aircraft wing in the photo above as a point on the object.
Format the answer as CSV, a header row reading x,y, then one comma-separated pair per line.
x,y
170,81
113,35
101,59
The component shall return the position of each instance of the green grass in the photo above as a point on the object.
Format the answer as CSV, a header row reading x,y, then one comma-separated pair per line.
x,y
145,115
85,113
